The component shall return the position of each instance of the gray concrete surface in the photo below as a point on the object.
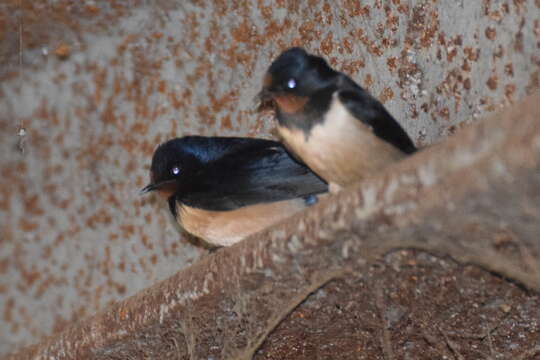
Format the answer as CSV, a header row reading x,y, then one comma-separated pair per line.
x,y
335,282
88,90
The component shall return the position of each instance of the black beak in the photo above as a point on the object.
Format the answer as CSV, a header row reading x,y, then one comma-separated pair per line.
x,y
265,99
148,188
163,185
265,94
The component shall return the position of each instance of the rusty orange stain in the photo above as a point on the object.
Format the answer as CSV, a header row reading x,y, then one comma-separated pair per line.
x,y
392,63
226,123
63,51
491,33
509,69
492,82
451,54
368,81
32,207
27,226
327,44
386,94
509,91
466,66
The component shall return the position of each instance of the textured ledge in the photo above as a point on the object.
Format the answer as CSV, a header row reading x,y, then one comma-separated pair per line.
x,y
452,199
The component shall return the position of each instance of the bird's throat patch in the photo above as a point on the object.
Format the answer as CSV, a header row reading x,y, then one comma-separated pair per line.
x,y
168,190
291,104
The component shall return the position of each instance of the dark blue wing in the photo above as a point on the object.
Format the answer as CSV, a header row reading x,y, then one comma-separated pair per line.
x,y
370,111
260,173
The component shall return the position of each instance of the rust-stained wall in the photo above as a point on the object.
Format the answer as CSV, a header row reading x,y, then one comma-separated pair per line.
x,y
97,85
335,280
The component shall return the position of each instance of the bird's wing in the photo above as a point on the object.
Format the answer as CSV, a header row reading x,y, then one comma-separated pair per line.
x,y
257,174
370,111
210,148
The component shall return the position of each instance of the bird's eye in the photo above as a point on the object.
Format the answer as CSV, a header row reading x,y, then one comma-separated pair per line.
x,y
291,83
175,170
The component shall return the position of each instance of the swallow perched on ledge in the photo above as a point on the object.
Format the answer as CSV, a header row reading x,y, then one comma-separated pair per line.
x,y
223,189
328,121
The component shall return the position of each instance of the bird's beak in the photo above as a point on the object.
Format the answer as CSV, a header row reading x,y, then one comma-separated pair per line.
x,y
265,97
148,188
169,185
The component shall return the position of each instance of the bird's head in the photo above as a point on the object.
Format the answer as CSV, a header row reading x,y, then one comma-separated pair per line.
x,y
173,163
293,78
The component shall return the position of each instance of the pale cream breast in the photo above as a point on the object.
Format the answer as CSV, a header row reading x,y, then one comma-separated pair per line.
x,y
224,228
341,149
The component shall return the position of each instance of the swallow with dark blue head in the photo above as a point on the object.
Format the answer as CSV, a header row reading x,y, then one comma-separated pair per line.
x,y
329,122
223,189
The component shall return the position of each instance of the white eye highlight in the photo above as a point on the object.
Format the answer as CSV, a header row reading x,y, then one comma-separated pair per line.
x,y
291,84
175,170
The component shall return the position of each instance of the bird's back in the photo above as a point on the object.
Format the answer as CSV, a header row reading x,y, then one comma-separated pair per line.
x,y
257,171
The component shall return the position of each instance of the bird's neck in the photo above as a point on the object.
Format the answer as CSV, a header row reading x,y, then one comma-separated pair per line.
x,y
312,112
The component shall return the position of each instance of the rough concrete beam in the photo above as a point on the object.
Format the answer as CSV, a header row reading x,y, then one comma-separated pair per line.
x,y
454,198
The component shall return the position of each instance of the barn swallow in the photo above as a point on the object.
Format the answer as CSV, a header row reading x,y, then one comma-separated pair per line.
x,y
328,121
223,189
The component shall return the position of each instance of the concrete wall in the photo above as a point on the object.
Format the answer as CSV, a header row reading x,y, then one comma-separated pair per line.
x,y
88,90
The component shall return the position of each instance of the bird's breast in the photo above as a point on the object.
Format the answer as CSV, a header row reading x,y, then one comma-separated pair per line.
x,y
341,149
224,228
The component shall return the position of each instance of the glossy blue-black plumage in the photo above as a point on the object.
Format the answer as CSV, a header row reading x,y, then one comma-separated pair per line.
x,y
226,173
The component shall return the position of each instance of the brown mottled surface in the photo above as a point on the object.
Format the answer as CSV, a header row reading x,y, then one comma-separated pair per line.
x,y
89,88
330,282
418,304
